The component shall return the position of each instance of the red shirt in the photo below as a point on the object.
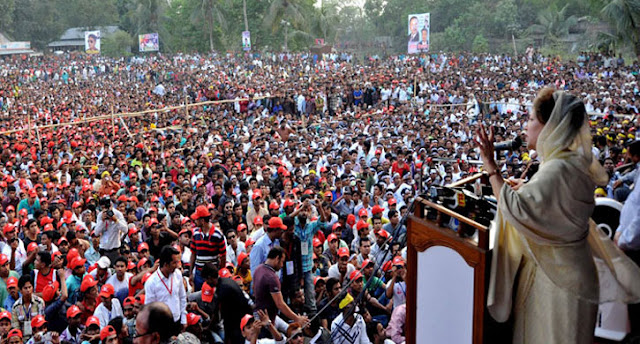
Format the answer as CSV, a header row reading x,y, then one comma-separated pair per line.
x,y
42,281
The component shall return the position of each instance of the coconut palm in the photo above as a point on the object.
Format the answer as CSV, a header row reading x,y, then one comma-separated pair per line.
x,y
284,11
624,17
553,25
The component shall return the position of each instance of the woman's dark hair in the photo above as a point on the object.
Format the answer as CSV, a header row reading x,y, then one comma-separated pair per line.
x,y
166,254
544,103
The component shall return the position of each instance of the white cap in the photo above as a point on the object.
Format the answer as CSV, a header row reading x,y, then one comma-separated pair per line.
x,y
104,262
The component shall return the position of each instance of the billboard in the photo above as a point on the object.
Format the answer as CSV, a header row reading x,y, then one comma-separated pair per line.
x,y
246,40
92,42
419,27
148,42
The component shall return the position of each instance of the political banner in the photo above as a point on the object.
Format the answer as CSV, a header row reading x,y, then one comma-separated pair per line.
x,y
148,42
419,27
319,41
92,42
246,40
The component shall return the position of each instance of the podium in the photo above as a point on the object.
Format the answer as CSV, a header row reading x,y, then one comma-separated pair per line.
x,y
446,277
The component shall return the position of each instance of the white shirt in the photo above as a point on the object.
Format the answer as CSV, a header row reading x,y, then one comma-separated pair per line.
x,y
399,293
111,231
106,315
343,333
117,284
232,256
21,254
169,291
335,273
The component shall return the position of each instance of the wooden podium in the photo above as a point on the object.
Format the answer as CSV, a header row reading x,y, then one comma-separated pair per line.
x,y
446,277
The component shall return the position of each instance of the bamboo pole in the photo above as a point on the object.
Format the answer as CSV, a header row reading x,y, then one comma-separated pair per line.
x,y
113,121
29,125
38,136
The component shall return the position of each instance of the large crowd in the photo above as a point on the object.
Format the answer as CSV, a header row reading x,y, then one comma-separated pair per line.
x,y
276,214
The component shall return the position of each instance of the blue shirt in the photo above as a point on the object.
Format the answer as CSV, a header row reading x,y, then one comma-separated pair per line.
x,y
630,216
92,255
73,284
9,301
305,234
260,251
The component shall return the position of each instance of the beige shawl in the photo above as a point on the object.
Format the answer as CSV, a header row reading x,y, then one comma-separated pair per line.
x,y
548,220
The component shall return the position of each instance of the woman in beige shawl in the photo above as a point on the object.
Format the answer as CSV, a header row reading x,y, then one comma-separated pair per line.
x,y
546,244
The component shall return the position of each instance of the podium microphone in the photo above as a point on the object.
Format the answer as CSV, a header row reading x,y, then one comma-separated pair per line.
x,y
508,145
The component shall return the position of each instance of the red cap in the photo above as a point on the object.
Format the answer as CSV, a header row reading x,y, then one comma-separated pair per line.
x,y
377,209
192,319
87,282
133,230
351,219
33,193
355,275
317,242
256,193
45,220
140,299
274,205
77,262
316,279
9,227
12,282
76,204
343,252
245,320
367,262
397,260
249,242
288,203
383,234
73,311
142,262
143,246
257,220
392,201
49,291
3,259
14,333
207,292
32,246
224,273
332,237
129,301
107,290
242,256
241,227
328,194
107,332
152,221
276,223
363,212
335,226
201,211
38,321
361,225
5,315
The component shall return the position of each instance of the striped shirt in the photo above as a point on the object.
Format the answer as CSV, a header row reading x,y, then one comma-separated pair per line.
x,y
207,247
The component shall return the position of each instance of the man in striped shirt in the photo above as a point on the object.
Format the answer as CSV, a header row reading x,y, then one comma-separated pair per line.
x,y
207,246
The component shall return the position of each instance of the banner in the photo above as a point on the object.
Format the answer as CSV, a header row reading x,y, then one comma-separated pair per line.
x,y
419,27
246,40
15,46
148,42
92,42
319,41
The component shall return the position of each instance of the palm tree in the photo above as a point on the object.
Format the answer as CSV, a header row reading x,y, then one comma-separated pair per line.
x,y
284,10
210,11
553,25
624,17
326,19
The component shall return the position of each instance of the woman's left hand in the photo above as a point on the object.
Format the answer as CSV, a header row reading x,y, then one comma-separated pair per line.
x,y
485,142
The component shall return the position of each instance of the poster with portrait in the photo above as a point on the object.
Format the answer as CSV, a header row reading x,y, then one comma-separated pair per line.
x,y
148,42
419,27
92,42
246,40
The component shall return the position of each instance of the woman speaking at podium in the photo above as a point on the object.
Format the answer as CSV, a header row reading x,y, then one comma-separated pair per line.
x,y
546,244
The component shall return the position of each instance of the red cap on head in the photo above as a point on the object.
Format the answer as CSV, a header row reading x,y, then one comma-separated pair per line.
x,y
201,211
274,206
377,209
276,223
241,257
245,320
207,292
107,332
256,193
397,260
49,291
257,220
14,333
317,242
38,321
73,311
87,282
363,212
3,259
343,252
355,275
129,301
361,225
12,282
192,319
5,315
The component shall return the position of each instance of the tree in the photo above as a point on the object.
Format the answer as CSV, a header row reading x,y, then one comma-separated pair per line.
x,y
553,25
117,44
624,17
7,8
37,22
480,44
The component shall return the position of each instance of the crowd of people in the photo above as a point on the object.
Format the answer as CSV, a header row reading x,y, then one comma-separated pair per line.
x,y
275,214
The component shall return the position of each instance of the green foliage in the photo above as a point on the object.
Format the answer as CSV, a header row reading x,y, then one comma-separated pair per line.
x,y
117,44
480,44
206,25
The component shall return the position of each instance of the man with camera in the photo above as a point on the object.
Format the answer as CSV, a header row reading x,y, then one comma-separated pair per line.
x,y
111,226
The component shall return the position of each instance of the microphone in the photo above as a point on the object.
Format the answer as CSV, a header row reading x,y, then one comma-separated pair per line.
x,y
508,145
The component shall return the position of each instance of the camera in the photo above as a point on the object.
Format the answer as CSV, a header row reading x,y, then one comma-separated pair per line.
x,y
110,213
